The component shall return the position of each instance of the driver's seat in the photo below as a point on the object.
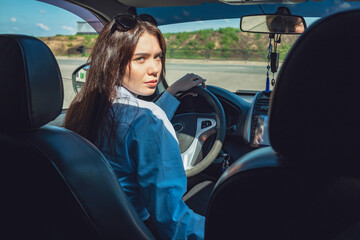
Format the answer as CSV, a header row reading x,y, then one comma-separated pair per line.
x,y
56,184
307,184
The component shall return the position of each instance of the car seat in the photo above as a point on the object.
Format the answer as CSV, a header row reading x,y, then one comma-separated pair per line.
x,y
306,185
56,184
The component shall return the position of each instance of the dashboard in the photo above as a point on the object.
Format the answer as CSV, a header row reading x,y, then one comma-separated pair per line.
x,y
246,115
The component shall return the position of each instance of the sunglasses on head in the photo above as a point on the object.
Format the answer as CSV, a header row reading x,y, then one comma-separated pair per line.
x,y
127,22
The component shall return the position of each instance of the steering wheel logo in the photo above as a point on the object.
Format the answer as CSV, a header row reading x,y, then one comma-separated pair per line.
x,y
178,127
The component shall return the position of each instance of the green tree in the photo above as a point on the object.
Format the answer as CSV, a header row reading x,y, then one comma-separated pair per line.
x,y
182,36
210,45
230,33
204,34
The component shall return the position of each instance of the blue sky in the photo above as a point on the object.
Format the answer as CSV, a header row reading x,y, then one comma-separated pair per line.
x,y
35,18
40,19
193,26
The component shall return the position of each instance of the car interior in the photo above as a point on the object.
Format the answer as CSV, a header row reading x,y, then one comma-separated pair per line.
x,y
302,182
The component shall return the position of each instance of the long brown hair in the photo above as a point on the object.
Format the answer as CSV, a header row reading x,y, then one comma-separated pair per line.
x,y
92,110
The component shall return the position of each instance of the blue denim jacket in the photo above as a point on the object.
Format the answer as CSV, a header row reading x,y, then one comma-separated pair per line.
x,y
149,166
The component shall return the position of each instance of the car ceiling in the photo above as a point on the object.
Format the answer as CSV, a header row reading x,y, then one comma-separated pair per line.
x,y
176,11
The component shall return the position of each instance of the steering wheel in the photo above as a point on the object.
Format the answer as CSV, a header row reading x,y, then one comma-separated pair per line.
x,y
193,129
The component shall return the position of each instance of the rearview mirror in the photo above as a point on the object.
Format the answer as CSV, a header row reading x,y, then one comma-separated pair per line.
x,y
273,23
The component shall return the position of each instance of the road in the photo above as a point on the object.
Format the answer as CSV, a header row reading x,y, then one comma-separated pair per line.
x,y
67,67
231,75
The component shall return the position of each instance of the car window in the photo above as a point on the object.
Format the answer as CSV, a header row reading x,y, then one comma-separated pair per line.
x,y
220,52
68,36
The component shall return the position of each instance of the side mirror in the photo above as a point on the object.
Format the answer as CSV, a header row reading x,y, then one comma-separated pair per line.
x,y
79,76
273,23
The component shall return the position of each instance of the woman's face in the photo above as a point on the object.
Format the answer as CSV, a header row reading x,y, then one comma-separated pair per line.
x,y
299,28
145,65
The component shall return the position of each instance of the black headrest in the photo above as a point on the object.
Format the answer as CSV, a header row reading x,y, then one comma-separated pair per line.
x,y
314,119
31,90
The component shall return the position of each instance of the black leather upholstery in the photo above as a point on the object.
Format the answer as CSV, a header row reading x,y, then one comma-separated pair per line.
x,y
313,119
308,185
57,185
30,90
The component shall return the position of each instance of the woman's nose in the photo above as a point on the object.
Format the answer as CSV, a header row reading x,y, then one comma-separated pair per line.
x,y
154,67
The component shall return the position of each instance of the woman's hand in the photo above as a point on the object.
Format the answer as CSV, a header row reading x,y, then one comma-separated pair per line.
x,y
188,81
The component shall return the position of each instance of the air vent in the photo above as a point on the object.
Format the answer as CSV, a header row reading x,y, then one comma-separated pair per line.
x,y
262,104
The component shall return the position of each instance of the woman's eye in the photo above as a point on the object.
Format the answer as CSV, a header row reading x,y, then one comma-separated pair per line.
x,y
140,59
159,57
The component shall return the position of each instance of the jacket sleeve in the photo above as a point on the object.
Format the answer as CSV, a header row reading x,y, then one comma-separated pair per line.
x,y
162,181
168,103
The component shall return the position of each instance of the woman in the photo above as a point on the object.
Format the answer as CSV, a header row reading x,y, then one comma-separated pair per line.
x,y
136,136
285,24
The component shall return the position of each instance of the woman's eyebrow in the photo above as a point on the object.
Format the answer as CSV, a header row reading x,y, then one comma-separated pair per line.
x,y
146,54
142,54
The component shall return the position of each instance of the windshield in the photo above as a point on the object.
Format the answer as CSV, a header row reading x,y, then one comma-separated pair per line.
x,y
216,49
225,56
221,53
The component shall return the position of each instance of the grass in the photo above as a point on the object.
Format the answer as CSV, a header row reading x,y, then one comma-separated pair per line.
x,y
89,40
210,45
72,37
204,34
184,54
283,49
182,36
224,43
230,33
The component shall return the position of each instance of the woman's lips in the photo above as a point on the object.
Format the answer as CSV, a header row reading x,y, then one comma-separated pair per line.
x,y
151,83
